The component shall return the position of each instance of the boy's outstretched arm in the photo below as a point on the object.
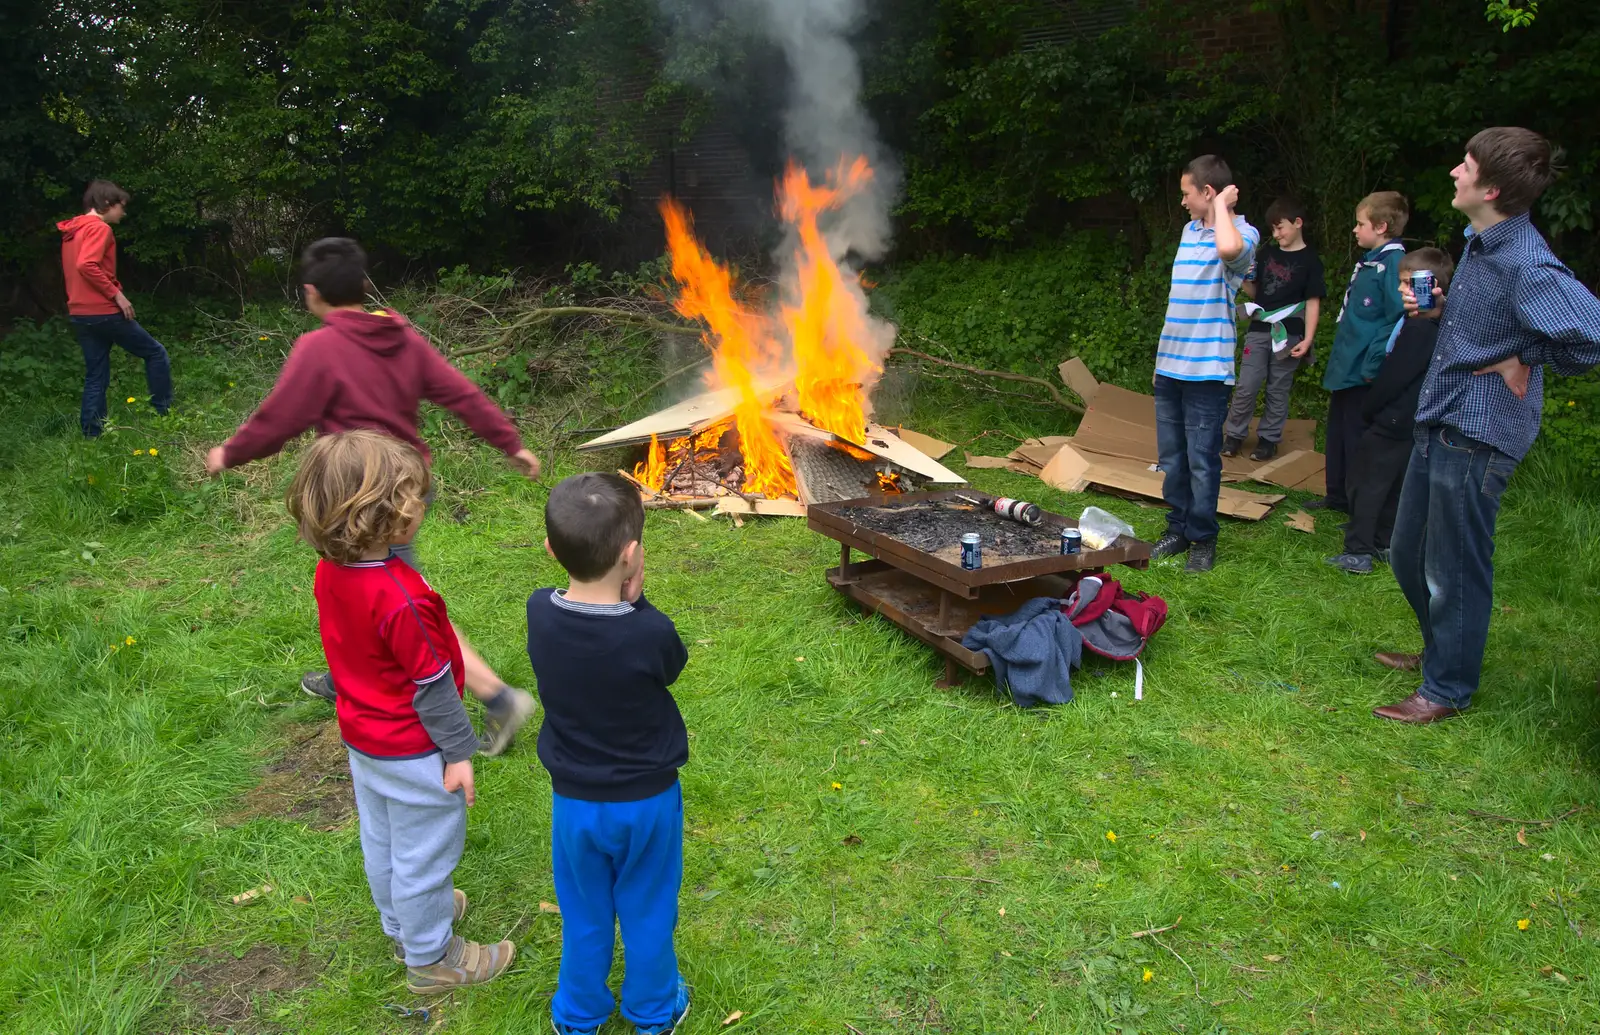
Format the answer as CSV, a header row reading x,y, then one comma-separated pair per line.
x,y
446,386
294,404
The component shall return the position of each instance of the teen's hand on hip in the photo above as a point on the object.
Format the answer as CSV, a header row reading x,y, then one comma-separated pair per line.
x,y
526,462
124,305
1515,373
458,777
216,461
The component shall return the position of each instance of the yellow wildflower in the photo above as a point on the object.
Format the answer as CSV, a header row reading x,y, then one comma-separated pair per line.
x,y
138,452
1111,835
838,786
1522,925
230,384
1148,973
130,641
130,398
152,451
1572,402
262,338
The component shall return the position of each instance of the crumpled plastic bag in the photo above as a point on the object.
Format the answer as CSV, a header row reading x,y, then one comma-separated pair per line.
x,y
1100,529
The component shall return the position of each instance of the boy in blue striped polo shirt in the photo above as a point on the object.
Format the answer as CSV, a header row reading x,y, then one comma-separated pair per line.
x,y
1194,361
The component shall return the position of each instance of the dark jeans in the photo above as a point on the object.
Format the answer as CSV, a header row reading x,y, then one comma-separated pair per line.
x,y
1380,471
1345,426
96,335
1443,555
1189,416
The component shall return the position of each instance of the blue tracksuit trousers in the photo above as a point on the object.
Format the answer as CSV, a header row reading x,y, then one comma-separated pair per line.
x,y
617,862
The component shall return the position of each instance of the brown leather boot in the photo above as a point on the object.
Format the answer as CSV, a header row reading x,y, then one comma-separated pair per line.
x,y
1398,662
1415,709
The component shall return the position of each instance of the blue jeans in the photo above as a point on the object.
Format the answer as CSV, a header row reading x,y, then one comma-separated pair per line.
x,y
1442,554
1189,419
617,862
96,335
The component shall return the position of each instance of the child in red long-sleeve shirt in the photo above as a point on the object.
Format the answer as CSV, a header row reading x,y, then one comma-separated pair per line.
x,y
371,370
101,314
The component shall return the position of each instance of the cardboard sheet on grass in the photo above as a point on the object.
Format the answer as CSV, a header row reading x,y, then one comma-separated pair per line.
x,y
1115,449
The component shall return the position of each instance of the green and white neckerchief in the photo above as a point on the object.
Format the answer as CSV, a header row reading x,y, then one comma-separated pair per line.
x,y
1375,263
1280,334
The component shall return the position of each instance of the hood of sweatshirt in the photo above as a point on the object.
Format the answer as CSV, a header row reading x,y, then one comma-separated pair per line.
x,y
69,227
380,331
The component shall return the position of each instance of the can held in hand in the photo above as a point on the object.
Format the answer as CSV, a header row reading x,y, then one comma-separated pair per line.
x,y
1018,510
1422,284
972,551
1071,541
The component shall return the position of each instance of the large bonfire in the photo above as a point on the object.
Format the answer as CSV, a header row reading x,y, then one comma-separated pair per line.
x,y
819,339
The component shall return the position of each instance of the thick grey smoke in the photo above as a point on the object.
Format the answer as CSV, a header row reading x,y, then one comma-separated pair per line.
x,y
824,120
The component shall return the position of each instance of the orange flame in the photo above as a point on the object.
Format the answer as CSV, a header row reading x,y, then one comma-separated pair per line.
x,y
823,321
827,323
740,344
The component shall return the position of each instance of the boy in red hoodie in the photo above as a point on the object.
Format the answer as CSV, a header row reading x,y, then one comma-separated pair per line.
x,y
101,314
371,370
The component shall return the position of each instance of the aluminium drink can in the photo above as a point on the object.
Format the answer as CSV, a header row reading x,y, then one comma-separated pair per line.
x,y
1071,541
972,551
1422,285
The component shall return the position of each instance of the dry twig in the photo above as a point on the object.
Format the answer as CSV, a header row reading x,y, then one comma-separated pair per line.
x,y
1004,375
977,880
1185,963
1158,930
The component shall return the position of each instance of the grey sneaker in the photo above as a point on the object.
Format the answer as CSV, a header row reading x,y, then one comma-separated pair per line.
x,y
1354,563
465,963
500,724
459,912
1201,556
1231,446
1168,545
1264,451
318,684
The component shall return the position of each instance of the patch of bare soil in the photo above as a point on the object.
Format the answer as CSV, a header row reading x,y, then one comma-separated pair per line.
x,y
309,783
221,992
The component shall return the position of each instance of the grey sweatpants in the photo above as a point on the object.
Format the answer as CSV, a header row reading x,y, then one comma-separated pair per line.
x,y
1261,366
412,834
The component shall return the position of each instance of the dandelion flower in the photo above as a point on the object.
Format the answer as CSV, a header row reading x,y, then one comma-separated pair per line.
x,y
262,338
1111,835
153,451
838,786
1148,973
1522,925
1572,402
130,641
138,452
130,398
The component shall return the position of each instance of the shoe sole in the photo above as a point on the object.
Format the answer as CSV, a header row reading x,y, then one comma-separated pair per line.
x,y
443,987
314,693
521,711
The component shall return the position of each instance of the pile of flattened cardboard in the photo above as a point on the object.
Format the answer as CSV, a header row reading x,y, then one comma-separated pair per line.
x,y
1114,450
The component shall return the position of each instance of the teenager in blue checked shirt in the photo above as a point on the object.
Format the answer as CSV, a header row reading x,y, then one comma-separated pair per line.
x,y
1514,309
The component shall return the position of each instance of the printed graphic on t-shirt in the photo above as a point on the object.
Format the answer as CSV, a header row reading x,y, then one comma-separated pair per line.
x,y
1276,276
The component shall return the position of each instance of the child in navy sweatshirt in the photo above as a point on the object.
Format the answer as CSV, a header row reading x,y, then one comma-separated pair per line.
x,y
1389,413
613,741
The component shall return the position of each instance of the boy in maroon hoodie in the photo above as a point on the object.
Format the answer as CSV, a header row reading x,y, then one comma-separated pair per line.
x,y
371,370
101,314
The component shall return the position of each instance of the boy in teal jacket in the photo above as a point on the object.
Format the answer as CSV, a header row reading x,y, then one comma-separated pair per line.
x,y
1371,310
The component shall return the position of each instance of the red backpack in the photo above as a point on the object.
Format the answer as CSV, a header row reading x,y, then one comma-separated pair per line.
x,y
1115,623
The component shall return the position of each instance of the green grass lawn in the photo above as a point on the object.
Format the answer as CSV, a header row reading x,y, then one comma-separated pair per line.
x,y
864,852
